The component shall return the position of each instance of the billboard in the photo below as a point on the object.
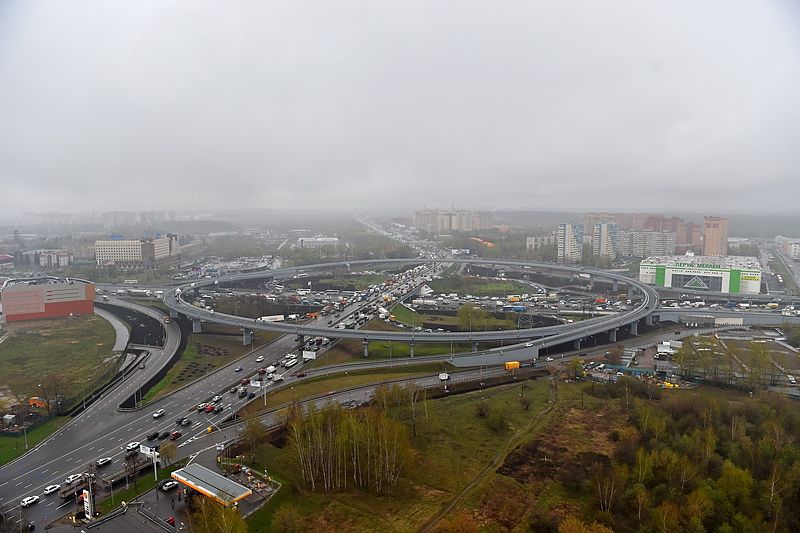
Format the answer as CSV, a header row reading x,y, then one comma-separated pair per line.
x,y
88,504
309,355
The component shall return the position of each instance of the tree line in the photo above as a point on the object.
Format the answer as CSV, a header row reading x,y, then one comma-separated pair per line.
x,y
334,448
692,462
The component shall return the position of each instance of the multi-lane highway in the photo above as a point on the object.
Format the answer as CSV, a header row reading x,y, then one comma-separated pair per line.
x,y
104,431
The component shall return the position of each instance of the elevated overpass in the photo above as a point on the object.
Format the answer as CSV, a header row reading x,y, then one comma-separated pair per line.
x,y
545,336
788,299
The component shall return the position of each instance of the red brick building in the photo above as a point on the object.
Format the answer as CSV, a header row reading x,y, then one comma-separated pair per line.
x,y
46,297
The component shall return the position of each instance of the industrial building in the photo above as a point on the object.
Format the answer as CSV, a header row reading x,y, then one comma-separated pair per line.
x,y
733,274
137,254
315,243
44,258
46,297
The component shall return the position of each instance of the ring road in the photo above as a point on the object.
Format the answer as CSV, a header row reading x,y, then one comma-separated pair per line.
x,y
562,333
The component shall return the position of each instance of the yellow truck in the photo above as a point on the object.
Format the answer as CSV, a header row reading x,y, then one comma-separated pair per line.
x,y
511,365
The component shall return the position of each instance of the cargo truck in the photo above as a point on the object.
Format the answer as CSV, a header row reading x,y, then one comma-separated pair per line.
x,y
272,318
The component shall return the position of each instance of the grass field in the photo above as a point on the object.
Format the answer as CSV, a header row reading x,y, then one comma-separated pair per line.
x,y
77,348
453,445
413,318
204,353
787,359
322,385
352,350
13,447
783,356
477,286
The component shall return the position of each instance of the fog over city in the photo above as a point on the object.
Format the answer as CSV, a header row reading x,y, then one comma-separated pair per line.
x,y
684,106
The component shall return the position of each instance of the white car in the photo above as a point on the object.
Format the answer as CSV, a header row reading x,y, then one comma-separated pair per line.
x,y
529,345
103,461
132,446
215,399
549,359
169,485
259,358
159,413
72,479
30,500
50,489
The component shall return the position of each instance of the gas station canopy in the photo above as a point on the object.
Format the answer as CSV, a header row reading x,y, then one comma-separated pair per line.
x,y
215,486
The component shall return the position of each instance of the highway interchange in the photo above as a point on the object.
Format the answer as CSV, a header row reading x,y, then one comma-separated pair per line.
x,y
104,431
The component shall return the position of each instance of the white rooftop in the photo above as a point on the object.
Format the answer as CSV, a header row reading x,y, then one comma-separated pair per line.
x,y
705,261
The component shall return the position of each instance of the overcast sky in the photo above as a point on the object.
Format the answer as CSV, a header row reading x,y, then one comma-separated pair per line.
x,y
680,105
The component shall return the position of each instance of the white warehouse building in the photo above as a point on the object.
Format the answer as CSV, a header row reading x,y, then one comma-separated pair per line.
x,y
730,274
317,242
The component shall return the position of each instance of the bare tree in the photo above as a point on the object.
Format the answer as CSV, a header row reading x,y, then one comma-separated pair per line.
x,y
130,469
253,432
415,393
53,386
229,520
168,452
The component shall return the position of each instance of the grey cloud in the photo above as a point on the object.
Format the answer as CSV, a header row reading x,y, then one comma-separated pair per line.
x,y
577,105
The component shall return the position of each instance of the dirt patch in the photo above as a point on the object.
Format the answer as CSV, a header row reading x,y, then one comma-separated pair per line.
x,y
575,441
7,397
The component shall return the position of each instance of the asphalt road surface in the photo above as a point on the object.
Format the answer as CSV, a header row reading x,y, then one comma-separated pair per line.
x,y
103,431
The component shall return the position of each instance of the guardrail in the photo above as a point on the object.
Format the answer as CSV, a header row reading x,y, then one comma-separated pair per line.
x,y
160,522
650,302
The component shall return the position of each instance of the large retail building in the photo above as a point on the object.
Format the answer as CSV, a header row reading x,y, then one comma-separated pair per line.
x,y
46,297
730,274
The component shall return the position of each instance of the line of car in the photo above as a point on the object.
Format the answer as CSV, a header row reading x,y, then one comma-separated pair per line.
x,y
132,448
55,487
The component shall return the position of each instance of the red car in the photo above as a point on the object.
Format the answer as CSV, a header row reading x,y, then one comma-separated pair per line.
x,y
210,408
262,371
175,435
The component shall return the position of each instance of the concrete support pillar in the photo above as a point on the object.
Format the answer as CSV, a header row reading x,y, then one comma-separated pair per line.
x,y
534,354
615,286
648,320
365,342
301,339
474,346
612,335
411,349
197,326
634,329
173,314
577,344
247,337
630,292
